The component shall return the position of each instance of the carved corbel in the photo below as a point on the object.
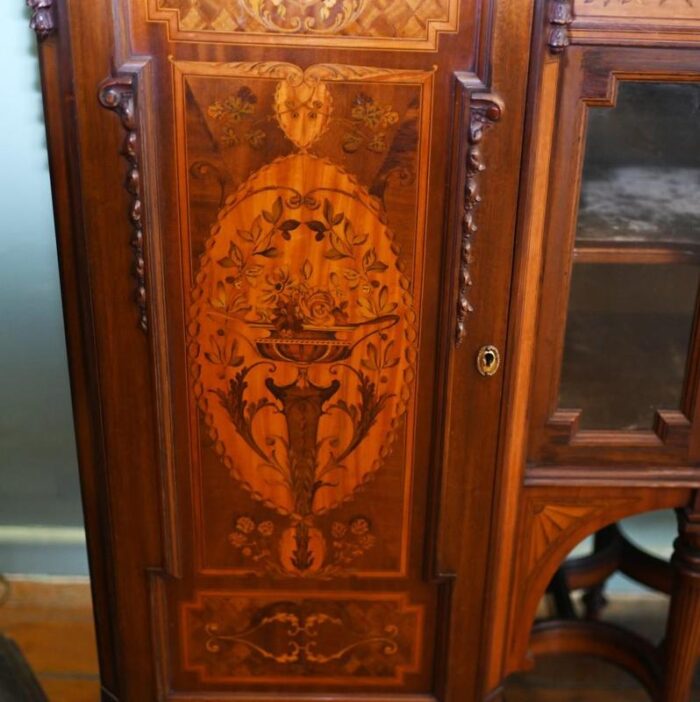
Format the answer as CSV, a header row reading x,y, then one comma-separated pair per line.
x,y
119,95
560,18
42,21
485,110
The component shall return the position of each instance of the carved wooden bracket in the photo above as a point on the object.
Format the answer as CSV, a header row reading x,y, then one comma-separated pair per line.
x,y
119,94
560,18
485,110
42,21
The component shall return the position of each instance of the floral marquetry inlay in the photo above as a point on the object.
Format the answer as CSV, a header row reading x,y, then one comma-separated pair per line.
x,y
393,24
305,342
303,338
247,636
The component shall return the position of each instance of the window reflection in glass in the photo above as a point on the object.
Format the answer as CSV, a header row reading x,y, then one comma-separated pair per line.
x,y
641,178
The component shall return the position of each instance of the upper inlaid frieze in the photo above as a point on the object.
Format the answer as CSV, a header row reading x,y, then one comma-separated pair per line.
x,y
393,24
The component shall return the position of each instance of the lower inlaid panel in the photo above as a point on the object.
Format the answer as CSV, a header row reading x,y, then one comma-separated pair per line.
x,y
250,636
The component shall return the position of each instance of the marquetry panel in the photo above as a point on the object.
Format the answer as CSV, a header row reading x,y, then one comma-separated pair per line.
x,y
252,636
638,9
393,24
651,22
306,259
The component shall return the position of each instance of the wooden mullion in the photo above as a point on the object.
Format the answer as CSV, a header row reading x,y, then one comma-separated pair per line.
x,y
651,255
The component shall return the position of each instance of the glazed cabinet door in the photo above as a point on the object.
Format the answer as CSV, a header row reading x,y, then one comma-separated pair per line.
x,y
286,230
616,369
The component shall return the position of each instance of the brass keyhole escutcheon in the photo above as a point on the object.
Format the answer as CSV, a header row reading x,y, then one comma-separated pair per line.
x,y
488,360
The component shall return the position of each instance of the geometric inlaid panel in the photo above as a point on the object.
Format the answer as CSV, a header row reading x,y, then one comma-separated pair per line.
x,y
304,195
636,21
642,9
248,637
395,24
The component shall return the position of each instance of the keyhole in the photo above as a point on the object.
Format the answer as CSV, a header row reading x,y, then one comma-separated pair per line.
x,y
488,360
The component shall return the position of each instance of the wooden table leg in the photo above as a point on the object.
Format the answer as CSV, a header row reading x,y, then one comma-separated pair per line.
x,y
683,629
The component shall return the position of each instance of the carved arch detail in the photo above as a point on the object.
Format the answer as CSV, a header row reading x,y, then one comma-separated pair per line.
x,y
552,528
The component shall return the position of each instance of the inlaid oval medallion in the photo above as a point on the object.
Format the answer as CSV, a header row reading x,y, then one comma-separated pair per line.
x,y
302,342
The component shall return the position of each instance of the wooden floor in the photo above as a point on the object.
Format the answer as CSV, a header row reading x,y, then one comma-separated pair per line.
x,y
52,623
577,679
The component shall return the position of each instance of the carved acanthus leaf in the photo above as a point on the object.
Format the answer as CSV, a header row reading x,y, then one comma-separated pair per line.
x,y
119,95
560,18
42,21
485,110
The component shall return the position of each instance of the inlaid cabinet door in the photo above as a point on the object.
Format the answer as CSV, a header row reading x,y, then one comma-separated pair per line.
x,y
291,236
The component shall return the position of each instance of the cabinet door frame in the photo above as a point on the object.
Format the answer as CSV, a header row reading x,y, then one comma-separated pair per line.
x,y
591,77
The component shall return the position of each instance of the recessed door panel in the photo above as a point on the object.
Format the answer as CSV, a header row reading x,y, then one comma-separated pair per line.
x,y
304,325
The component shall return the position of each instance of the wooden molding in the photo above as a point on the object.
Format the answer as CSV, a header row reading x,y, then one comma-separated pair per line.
x,y
644,22
119,95
612,476
485,110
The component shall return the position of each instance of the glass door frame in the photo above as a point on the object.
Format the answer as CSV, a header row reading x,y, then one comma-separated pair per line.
x,y
590,79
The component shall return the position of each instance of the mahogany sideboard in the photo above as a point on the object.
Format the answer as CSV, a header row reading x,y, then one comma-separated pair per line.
x,y
375,310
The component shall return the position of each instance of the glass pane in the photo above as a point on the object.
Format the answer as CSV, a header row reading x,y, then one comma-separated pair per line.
x,y
627,340
641,179
636,270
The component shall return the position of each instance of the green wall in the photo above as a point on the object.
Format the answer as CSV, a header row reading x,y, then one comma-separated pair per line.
x,y
38,468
